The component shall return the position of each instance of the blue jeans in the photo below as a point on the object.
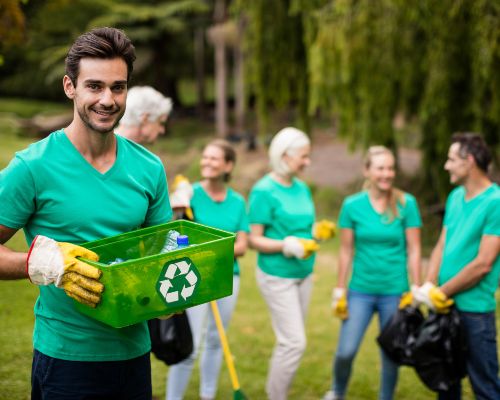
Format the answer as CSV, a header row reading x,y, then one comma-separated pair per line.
x,y
56,379
361,309
482,361
205,338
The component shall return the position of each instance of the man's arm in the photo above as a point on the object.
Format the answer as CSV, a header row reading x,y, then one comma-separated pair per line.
x,y
477,269
12,264
435,259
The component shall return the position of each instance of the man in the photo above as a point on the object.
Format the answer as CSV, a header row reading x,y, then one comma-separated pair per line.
x,y
82,183
146,114
465,261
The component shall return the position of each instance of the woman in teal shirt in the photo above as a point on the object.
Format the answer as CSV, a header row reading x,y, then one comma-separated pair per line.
x,y
215,204
282,216
380,237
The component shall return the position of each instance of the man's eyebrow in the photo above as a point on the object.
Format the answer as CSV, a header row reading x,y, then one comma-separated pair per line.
x,y
96,81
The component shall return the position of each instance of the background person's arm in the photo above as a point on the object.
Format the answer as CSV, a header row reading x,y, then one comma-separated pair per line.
x,y
414,251
261,243
435,259
477,269
345,256
12,263
240,244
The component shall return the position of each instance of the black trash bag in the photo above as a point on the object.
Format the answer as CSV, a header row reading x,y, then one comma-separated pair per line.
x,y
440,351
171,339
399,335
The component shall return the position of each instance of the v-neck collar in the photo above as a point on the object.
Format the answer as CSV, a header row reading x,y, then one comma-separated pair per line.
x,y
86,165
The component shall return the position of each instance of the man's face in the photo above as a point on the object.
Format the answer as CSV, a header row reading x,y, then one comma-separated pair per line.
x,y
100,93
457,166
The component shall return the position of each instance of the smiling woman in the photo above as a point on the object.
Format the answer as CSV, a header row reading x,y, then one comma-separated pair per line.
x,y
380,241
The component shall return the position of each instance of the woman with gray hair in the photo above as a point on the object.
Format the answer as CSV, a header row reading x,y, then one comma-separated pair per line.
x,y
146,112
282,216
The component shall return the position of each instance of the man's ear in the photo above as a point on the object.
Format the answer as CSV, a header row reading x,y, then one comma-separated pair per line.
x,y
144,118
68,86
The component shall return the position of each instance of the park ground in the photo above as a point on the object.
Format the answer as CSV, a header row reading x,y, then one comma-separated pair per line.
x,y
334,172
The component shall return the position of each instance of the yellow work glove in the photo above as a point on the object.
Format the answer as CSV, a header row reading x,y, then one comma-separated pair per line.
x,y
434,298
298,247
181,195
53,262
339,303
409,298
324,230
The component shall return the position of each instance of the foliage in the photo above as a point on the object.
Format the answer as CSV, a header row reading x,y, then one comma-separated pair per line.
x,y
368,61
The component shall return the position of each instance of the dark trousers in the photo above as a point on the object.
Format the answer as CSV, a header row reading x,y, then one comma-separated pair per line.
x,y
482,361
56,379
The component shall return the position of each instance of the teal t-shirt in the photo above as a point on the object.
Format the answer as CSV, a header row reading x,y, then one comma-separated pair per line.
x,y
229,214
466,221
283,211
379,265
50,189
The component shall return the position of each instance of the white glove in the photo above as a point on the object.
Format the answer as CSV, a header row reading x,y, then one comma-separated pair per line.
x,y
181,196
339,303
53,262
292,247
434,298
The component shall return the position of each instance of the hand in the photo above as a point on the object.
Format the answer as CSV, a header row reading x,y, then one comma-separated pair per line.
x,y
409,298
298,247
53,262
339,303
324,230
182,195
434,298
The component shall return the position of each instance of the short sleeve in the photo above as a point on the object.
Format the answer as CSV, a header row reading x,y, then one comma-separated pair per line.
x,y
492,224
345,220
412,214
17,194
159,208
447,207
243,225
260,207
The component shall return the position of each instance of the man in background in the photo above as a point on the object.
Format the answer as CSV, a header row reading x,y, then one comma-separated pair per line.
x,y
465,262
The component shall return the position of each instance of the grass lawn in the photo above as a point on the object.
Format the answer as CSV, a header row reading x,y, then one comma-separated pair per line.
x,y
250,334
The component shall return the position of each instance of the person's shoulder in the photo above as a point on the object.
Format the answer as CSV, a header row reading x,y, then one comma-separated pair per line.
x,y
456,194
263,184
138,151
409,198
233,194
493,195
301,184
38,151
355,198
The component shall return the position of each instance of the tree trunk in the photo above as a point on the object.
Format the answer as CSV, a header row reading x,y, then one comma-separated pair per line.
x,y
199,56
239,84
220,75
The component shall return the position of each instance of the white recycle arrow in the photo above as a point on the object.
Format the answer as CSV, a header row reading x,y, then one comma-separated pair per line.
x,y
183,267
187,291
164,286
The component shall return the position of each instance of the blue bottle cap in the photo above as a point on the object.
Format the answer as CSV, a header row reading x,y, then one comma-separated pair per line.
x,y
182,240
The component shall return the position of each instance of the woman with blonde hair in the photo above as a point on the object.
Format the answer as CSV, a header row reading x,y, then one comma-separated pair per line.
x,y
380,239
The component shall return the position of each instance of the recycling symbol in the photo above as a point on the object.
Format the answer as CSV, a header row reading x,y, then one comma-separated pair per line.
x,y
178,280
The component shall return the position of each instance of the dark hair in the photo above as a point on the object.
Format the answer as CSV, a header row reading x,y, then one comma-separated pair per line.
x,y
229,153
106,43
473,144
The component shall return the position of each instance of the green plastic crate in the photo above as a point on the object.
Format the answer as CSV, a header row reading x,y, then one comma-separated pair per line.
x,y
149,284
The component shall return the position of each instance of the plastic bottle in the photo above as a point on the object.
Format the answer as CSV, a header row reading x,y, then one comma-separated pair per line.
x,y
171,241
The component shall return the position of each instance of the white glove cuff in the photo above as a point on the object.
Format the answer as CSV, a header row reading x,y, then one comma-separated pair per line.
x,y
292,247
179,199
45,263
338,293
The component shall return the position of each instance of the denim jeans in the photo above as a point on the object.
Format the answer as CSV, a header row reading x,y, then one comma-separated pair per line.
x,y
205,338
482,361
361,309
56,379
